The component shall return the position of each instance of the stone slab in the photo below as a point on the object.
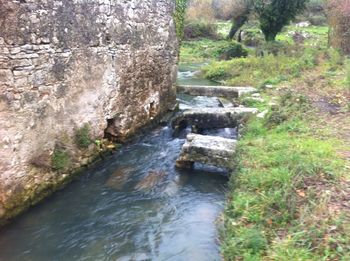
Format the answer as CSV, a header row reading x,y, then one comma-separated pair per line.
x,y
212,118
211,150
214,91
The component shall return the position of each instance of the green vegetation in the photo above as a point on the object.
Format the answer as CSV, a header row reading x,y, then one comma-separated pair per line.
x,y
276,14
348,73
179,17
278,208
82,137
285,198
256,71
206,49
61,159
200,29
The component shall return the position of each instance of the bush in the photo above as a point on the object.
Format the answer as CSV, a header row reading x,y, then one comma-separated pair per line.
x,y
82,137
195,30
252,38
318,20
315,6
335,59
232,50
339,20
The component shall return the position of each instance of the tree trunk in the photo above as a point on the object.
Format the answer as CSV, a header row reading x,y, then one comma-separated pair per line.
x,y
236,25
270,36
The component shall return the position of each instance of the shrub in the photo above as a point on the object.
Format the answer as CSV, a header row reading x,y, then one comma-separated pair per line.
x,y
339,20
61,159
195,30
318,20
82,137
200,10
335,58
232,50
274,48
252,38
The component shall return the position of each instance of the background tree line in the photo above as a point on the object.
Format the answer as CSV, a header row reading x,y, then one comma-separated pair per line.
x,y
272,16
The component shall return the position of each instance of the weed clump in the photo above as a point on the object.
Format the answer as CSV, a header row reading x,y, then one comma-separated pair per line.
x,y
347,80
61,159
82,137
199,29
291,106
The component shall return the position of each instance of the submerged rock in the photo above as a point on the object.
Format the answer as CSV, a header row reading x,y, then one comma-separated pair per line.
x,y
118,179
175,185
154,178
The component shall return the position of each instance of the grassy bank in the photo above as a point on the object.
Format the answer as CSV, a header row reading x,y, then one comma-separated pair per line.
x,y
282,204
289,198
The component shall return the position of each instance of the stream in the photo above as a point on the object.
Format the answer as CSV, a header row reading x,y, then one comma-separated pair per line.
x,y
132,206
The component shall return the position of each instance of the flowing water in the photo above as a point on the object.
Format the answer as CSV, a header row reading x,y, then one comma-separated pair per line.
x,y
133,206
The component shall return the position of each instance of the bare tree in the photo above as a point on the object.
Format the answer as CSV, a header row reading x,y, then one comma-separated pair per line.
x,y
338,13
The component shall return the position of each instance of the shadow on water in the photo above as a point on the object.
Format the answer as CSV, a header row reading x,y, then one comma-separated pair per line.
x,y
133,206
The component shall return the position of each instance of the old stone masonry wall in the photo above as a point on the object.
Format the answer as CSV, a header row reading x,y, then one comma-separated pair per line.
x,y
76,67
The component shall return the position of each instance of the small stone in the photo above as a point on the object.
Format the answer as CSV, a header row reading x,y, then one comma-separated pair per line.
x,y
263,114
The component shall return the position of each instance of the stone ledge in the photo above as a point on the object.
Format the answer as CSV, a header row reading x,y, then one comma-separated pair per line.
x,y
214,91
211,150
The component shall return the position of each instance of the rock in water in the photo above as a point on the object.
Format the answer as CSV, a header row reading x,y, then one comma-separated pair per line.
x,y
119,178
154,178
211,150
175,185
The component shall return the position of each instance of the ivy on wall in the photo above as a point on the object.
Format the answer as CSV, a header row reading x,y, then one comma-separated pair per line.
x,y
179,17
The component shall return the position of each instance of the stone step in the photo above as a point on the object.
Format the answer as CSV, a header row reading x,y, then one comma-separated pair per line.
x,y
214,91
226,103
212,118
211,150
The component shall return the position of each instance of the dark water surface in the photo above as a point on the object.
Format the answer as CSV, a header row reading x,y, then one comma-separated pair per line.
x,y
133,206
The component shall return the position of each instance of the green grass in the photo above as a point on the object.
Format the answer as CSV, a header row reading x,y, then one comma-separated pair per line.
x,y
278,207
203,50
273,206
255,71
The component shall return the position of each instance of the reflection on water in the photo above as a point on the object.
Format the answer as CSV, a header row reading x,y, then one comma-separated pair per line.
x,y
133,206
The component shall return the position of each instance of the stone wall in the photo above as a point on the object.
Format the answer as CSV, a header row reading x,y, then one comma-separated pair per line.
x,y
106,64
